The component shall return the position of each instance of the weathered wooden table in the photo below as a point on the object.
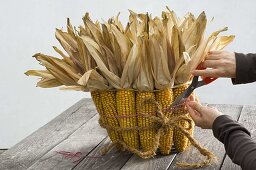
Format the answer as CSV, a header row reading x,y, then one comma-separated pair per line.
x,y
77,131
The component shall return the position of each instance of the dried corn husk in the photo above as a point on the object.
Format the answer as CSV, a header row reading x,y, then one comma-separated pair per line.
x,y
146,54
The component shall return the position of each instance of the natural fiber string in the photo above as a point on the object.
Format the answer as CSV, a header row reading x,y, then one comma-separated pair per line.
x,y
155,90
211,158
161,124
183,84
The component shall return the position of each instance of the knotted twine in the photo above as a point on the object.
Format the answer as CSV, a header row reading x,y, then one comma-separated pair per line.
x,y
161,125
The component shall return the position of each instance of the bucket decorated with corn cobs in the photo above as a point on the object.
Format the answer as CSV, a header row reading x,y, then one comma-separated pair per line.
x,y
134,72
140,121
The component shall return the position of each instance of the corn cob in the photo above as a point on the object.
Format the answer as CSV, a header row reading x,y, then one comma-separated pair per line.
x,y
125,107
165,99
181,142
106,106
147,137
97,102
191,131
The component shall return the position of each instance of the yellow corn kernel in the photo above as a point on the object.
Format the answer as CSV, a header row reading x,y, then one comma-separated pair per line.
x,y
108,102
147,137
181,142
97,102
126,107
165,99
191,131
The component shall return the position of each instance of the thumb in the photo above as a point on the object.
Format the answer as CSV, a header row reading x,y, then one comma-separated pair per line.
x,y
194,114
196,106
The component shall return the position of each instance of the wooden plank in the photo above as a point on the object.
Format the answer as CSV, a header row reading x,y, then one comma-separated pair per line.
x,y
113,160
207,140
25,153
228,164
159,162
2,151
248,119
83,140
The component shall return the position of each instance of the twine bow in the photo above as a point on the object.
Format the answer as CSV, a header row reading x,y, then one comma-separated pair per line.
x,y
161,125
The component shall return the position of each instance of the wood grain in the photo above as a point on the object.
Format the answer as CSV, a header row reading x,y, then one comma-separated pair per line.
x,y
83,141
2,151
228,164
77,130
207,140
113,160
25,153
247,119
159,162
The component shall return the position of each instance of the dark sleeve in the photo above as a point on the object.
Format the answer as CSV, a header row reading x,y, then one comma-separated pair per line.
x,y
245,68
239,146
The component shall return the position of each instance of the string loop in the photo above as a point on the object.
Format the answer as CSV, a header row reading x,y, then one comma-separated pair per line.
x,y
161,124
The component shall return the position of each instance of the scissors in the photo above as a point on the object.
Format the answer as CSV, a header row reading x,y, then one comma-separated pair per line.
x,y
195,84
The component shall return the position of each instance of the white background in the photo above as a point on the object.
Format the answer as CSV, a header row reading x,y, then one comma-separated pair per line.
x,y
28,26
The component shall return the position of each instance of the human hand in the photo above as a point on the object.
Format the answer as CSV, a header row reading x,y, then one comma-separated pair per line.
x,y
203,116
221,64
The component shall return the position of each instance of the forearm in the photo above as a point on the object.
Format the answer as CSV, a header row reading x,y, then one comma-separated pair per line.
x,y
245,68
237,141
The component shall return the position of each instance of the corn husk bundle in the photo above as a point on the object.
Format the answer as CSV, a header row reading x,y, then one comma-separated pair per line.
x,y
125,65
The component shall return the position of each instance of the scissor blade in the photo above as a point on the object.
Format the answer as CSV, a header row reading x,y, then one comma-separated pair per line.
x,y
186,93
183,96
179,99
